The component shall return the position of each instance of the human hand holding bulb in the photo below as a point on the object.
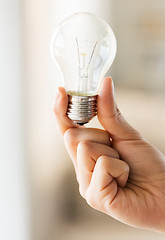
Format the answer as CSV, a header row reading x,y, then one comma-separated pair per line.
x,y
119,173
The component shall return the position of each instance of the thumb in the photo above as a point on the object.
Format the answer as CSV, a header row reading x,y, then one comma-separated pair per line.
x,y
110,116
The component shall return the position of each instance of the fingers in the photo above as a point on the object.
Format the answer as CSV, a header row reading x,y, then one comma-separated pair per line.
x,y
73,136
60,109
110,116
108,176
87,155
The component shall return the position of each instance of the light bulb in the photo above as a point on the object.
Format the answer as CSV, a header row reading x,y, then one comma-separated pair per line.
x,y
83,47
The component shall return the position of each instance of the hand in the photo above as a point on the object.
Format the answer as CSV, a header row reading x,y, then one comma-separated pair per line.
x,y
119,173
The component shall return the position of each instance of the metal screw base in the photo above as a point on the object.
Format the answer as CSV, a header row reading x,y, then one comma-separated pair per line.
x,y
81,109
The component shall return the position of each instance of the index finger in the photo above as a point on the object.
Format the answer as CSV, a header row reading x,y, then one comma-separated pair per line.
x,y
60,109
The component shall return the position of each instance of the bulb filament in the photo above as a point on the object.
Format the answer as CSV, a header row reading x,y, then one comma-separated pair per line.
x,y
83,68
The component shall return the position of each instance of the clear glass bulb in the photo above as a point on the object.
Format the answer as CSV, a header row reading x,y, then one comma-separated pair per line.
x,y
84,47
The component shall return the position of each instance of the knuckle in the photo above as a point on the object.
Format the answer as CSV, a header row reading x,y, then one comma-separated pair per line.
x,y
117,112
114,115
84,146
91,200
102,162
94,200
126,167
82,192
70,136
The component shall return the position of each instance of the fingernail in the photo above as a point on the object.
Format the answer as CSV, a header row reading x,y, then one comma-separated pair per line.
x,y
57,94
113,88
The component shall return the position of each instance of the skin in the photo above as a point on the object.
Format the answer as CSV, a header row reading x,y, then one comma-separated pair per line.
x,y
119,173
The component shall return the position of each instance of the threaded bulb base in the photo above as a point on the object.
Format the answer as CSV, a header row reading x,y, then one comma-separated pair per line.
x,y
81,109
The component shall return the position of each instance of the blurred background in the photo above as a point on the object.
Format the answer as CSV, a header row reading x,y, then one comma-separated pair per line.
x,y
39,193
